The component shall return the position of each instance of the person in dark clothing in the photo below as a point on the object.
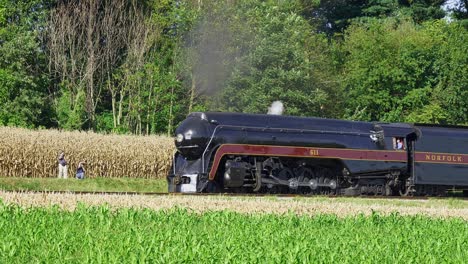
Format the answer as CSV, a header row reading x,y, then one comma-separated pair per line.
x,y
80,171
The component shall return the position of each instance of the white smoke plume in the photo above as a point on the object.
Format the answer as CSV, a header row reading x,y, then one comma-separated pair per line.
x,y
276,108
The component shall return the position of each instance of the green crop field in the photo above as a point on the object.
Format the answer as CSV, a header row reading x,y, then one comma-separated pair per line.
x,y
100,234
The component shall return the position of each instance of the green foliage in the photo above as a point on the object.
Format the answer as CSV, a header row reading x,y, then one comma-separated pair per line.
x,y
396,62
71,110
98,184
105,122
452,70
23,79
177,236
334,16
397,71
152,94
460,12
284,61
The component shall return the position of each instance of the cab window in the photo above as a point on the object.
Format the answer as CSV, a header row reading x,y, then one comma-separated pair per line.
x,y
399,143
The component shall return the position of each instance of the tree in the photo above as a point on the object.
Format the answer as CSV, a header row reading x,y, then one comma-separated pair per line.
x,y
97,46
401,72
334,16
460,12
451,90
74,34
23,78
282,61
141,66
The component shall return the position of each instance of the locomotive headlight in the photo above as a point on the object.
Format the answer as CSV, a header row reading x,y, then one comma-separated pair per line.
x,y
179,138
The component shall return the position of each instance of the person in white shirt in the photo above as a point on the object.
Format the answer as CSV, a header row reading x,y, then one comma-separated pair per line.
x,y
399,144
62,166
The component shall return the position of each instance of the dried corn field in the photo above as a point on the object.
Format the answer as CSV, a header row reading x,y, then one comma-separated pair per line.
x,y
28,153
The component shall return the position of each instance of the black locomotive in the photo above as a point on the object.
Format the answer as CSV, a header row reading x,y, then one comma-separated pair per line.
x,y
234,152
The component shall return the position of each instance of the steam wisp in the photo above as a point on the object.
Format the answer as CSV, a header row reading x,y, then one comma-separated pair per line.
x,y
276,108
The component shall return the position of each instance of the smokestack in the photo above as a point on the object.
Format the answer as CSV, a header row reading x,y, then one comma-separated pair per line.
x,y
276,108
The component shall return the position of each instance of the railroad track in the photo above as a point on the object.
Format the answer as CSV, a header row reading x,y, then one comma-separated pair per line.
x,y
242,195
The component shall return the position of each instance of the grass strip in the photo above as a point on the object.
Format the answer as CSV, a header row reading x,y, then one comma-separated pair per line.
x,y
89,184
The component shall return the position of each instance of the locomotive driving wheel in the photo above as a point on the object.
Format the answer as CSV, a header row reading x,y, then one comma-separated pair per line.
x,y
306,176
407,192
388,189
283,174
325,177
287,174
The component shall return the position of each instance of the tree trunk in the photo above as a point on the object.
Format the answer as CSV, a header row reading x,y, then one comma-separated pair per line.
x,y
90,64
153,120
114,110
139,125
169,123
119,115
148,111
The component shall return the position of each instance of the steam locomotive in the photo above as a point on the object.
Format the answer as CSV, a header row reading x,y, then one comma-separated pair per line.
x,y
254,153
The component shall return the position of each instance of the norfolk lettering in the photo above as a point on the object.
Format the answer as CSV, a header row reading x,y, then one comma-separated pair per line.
x,y
444,158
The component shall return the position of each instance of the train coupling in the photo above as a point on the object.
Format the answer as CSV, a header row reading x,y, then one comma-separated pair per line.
x,y
186,183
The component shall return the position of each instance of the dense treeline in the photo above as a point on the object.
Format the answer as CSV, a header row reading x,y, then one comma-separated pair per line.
x,y
133,66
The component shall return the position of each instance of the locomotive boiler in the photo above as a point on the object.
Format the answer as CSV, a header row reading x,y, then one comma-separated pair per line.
x,y
255,153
